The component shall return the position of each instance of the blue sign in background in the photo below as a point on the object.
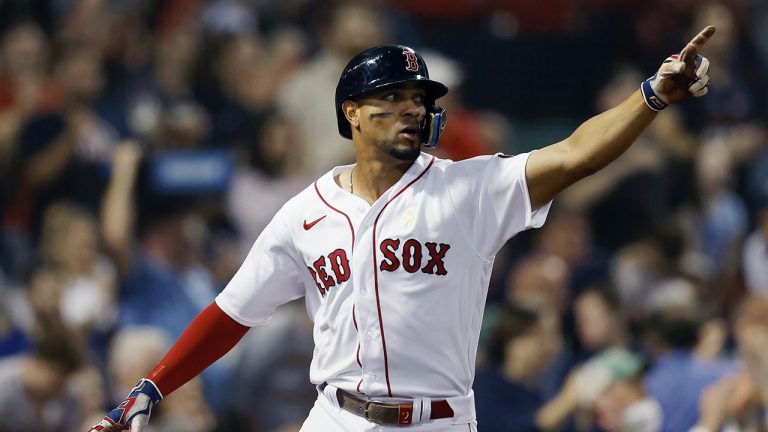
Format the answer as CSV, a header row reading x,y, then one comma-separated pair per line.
x,y
191,172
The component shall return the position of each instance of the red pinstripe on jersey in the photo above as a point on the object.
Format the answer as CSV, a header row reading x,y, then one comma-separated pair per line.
x,y
357,353
354,320
349,221
352,230
376,270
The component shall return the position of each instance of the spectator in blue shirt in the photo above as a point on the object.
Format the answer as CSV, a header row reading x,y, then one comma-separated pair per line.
x,y
678,377
505,391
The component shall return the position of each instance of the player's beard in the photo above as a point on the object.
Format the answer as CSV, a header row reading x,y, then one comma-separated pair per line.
x,y
405,155
408,154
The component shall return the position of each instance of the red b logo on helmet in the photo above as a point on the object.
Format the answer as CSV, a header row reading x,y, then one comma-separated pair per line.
x,y
411,60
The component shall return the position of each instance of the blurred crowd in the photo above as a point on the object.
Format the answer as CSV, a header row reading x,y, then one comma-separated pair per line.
x,y
145,144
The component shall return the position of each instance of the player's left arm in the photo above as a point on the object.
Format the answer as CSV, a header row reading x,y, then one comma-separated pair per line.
x,y
601,139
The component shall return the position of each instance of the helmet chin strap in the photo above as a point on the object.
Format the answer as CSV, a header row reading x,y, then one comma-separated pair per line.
x,y
433,126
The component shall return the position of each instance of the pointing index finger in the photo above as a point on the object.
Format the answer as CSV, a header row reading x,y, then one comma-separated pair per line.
x,y
688,54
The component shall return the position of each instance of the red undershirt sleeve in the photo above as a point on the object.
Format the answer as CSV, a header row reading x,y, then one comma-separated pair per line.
x,y
209,336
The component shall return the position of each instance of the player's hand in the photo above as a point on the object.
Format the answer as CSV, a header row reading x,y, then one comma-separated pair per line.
x,y
680,76
134,411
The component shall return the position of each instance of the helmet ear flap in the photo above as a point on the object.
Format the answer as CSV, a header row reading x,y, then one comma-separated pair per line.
x,y
433,126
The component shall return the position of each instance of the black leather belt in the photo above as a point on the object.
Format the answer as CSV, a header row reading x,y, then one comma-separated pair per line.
x,y
389,413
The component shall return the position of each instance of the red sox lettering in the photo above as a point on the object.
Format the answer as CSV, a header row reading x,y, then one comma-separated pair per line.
x,y
339,267
332,270
412,256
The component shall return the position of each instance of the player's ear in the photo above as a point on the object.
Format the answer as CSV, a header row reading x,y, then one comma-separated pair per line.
x,y
351,111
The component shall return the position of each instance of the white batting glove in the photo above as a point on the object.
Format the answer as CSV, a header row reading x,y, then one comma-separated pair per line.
x,y
134,411
680,76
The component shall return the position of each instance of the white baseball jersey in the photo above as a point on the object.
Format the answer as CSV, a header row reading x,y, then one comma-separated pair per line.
x,y
396,289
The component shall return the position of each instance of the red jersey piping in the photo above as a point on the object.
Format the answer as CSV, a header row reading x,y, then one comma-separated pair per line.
x,y
349,221
376,271
352,230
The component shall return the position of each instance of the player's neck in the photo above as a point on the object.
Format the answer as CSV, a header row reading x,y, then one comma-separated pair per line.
x,y
375,173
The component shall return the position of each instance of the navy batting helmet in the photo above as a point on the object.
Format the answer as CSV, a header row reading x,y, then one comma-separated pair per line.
x,y
387,65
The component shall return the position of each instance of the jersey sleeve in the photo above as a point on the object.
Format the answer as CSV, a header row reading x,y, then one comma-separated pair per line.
x,y
269,277
490,196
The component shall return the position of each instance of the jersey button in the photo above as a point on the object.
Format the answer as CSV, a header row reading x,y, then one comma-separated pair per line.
x,y
361,209
363,291
370,334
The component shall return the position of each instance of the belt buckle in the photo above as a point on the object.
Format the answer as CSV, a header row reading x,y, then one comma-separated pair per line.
x,y
377,414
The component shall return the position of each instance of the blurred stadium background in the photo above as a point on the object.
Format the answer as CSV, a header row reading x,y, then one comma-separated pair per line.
x,y
145,144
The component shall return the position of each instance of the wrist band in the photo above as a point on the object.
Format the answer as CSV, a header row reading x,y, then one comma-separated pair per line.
x,y
653,101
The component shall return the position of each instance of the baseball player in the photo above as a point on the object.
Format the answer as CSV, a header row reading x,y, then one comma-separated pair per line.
x,y
394,253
